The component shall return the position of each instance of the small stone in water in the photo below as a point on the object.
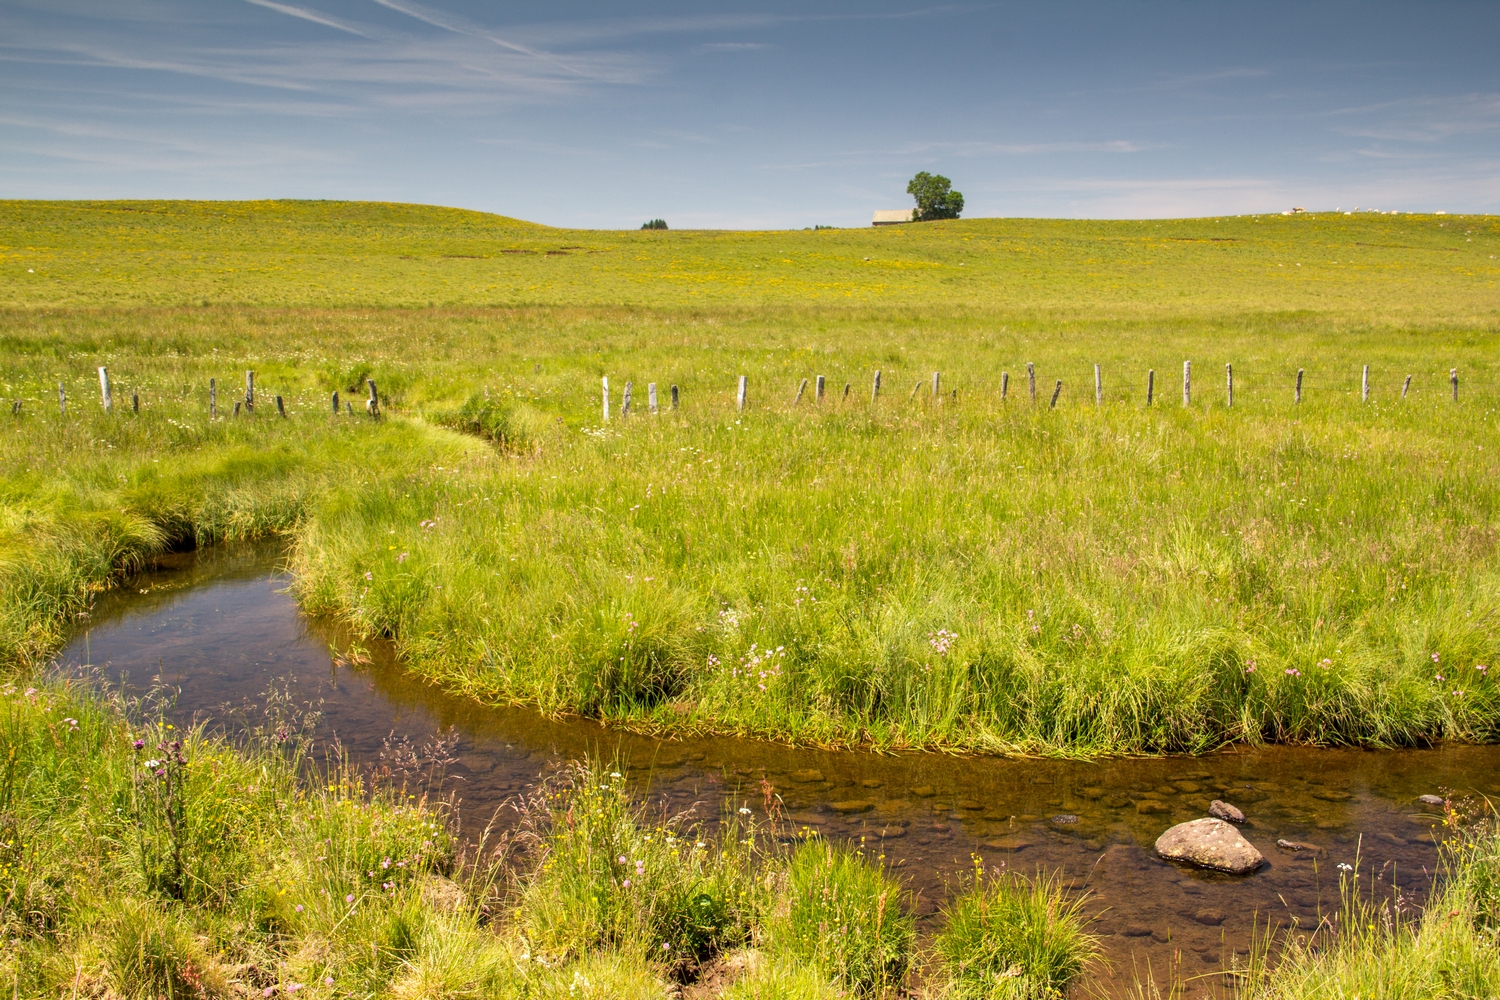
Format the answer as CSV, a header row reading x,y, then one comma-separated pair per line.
x,y
1223,810
1118,800
1092,793
1331,795
968,804
1136,930
1209,843
1065,819
1212,918
871,783
1148,807
851,806
1298,845
809,774
923,791
1008,844
1430,800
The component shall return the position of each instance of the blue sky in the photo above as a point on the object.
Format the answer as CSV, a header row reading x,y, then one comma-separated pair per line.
x,y
756,115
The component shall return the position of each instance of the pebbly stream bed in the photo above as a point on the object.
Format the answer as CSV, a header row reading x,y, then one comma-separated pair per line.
x,y
216,626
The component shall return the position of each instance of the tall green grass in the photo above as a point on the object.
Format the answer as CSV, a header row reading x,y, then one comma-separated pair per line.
x,y
970,573
1379,947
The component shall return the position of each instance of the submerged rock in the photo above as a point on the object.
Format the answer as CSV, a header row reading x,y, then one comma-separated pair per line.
x,y
1430,800
809,774
1209,843
1299,845
1219,809
1147,807
1065,819
1008,844
851,806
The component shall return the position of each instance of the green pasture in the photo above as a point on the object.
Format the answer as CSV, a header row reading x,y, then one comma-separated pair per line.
x,y
954,571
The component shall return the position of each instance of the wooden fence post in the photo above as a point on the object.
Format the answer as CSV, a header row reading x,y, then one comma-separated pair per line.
x,y
625,399
651,396
605,381
802,388
935,390
1229,385
1150,385
280,408
1405,386
249,392
819,396
15,408
1055,393
213,398
1098,387
105,397
62,400
237,405
914,390
1299,386
373,403
1004,385
1031,379
335,402
847,387
1364,385
740,395
135,402
1187,383
1453,378
875,388
674,397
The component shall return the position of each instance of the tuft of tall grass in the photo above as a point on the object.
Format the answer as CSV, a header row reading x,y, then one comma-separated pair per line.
x,y
838,912
609,878
1377,945
1010,937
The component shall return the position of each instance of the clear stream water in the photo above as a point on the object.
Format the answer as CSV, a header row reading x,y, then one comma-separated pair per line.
x,y
217,626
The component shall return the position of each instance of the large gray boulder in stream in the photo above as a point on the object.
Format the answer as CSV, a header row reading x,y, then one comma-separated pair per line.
x,y
1209,843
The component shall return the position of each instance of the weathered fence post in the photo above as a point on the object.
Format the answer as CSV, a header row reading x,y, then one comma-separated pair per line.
x,y
62,400
819,397
625,399
213,398
740,395
279,407
335,402
847,387
373,403
1187,383
651,396
237,405
674,397
875,388
1453,378
1364,385
605,381
15,408
105,397
935,390
1055,393
1098,387
1405,386
1299,386
1004,385
348,408
800,390
914,390
249,392
1229,385
1150,385
135,402
1031,379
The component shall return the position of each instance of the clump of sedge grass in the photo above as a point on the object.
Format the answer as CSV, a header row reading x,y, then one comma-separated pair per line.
x,y
609,877
1378,945
844,916
1013,937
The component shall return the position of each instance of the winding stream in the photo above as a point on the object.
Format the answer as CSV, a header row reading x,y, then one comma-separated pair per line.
x,y
217,626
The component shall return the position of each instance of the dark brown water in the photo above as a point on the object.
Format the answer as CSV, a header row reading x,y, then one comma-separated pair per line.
x,y
217,627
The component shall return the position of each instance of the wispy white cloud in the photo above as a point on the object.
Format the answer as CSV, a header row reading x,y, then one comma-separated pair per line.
x,y
308,15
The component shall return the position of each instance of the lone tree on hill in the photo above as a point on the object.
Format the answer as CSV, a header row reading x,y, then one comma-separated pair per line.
x,y
935,196
662,223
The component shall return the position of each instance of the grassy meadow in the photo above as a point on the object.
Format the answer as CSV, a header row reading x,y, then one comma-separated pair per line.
x,y
961,571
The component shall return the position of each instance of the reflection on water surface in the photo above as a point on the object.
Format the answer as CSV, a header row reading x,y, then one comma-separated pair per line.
x,y
215,625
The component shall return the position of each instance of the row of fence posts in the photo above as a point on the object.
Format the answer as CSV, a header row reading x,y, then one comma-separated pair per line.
x,y
107,398
741,392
